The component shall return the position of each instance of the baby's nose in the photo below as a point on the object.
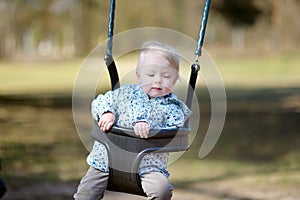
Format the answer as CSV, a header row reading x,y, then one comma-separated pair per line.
x,y
157,79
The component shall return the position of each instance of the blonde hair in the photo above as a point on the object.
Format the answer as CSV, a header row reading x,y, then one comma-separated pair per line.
x,y
168,52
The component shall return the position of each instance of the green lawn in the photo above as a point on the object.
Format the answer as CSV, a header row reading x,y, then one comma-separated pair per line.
x,y
253,159
256,157
238,71
261,71
36,77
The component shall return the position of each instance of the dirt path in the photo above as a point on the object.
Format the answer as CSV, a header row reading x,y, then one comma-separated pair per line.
x,y
232,189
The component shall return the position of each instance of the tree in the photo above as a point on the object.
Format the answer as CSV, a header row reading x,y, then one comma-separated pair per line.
x,y
239,12
86,24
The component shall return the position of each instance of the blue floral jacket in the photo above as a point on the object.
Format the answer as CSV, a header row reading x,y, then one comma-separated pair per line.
x,y
130,104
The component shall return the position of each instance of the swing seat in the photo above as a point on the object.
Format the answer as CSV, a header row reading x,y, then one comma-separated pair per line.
x,y
125,151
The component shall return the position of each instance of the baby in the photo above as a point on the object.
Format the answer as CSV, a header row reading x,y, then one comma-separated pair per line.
x,y
143,106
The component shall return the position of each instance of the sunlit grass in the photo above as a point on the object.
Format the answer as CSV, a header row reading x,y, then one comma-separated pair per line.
x,y
236,71
260,70
37,77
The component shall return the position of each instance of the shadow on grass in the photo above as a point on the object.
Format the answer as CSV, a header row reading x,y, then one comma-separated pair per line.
x,y
262,126
28,160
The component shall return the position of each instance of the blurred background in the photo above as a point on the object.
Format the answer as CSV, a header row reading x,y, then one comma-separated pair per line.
x,y
254,43
70,28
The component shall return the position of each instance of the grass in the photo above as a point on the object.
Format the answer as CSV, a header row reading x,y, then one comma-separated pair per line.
x,y
39,147
253,153
256,157
37,77
261,71
239,71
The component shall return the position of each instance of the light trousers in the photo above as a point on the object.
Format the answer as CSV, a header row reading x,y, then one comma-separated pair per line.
x,y
93,185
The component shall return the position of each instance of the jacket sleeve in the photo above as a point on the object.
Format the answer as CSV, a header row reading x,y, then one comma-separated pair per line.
x,y
104,103
177,114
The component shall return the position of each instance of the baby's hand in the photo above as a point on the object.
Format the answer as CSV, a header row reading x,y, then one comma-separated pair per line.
x,y
141,129
106,121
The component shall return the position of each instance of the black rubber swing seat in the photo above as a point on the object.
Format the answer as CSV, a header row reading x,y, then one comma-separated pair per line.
x,y
125,151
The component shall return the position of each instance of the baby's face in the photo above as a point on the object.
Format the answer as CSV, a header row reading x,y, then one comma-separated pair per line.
x,y
156,74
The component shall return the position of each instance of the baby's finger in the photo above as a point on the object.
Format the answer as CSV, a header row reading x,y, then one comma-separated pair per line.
x,y
143,131
138,130
108,125
100,123
103,122
135,131
104,126
146,131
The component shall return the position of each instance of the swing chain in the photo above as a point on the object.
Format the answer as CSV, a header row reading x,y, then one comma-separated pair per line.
x,y
198,51
108,56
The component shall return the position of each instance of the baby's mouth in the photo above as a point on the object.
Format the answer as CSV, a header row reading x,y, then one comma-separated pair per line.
x,y
156,88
